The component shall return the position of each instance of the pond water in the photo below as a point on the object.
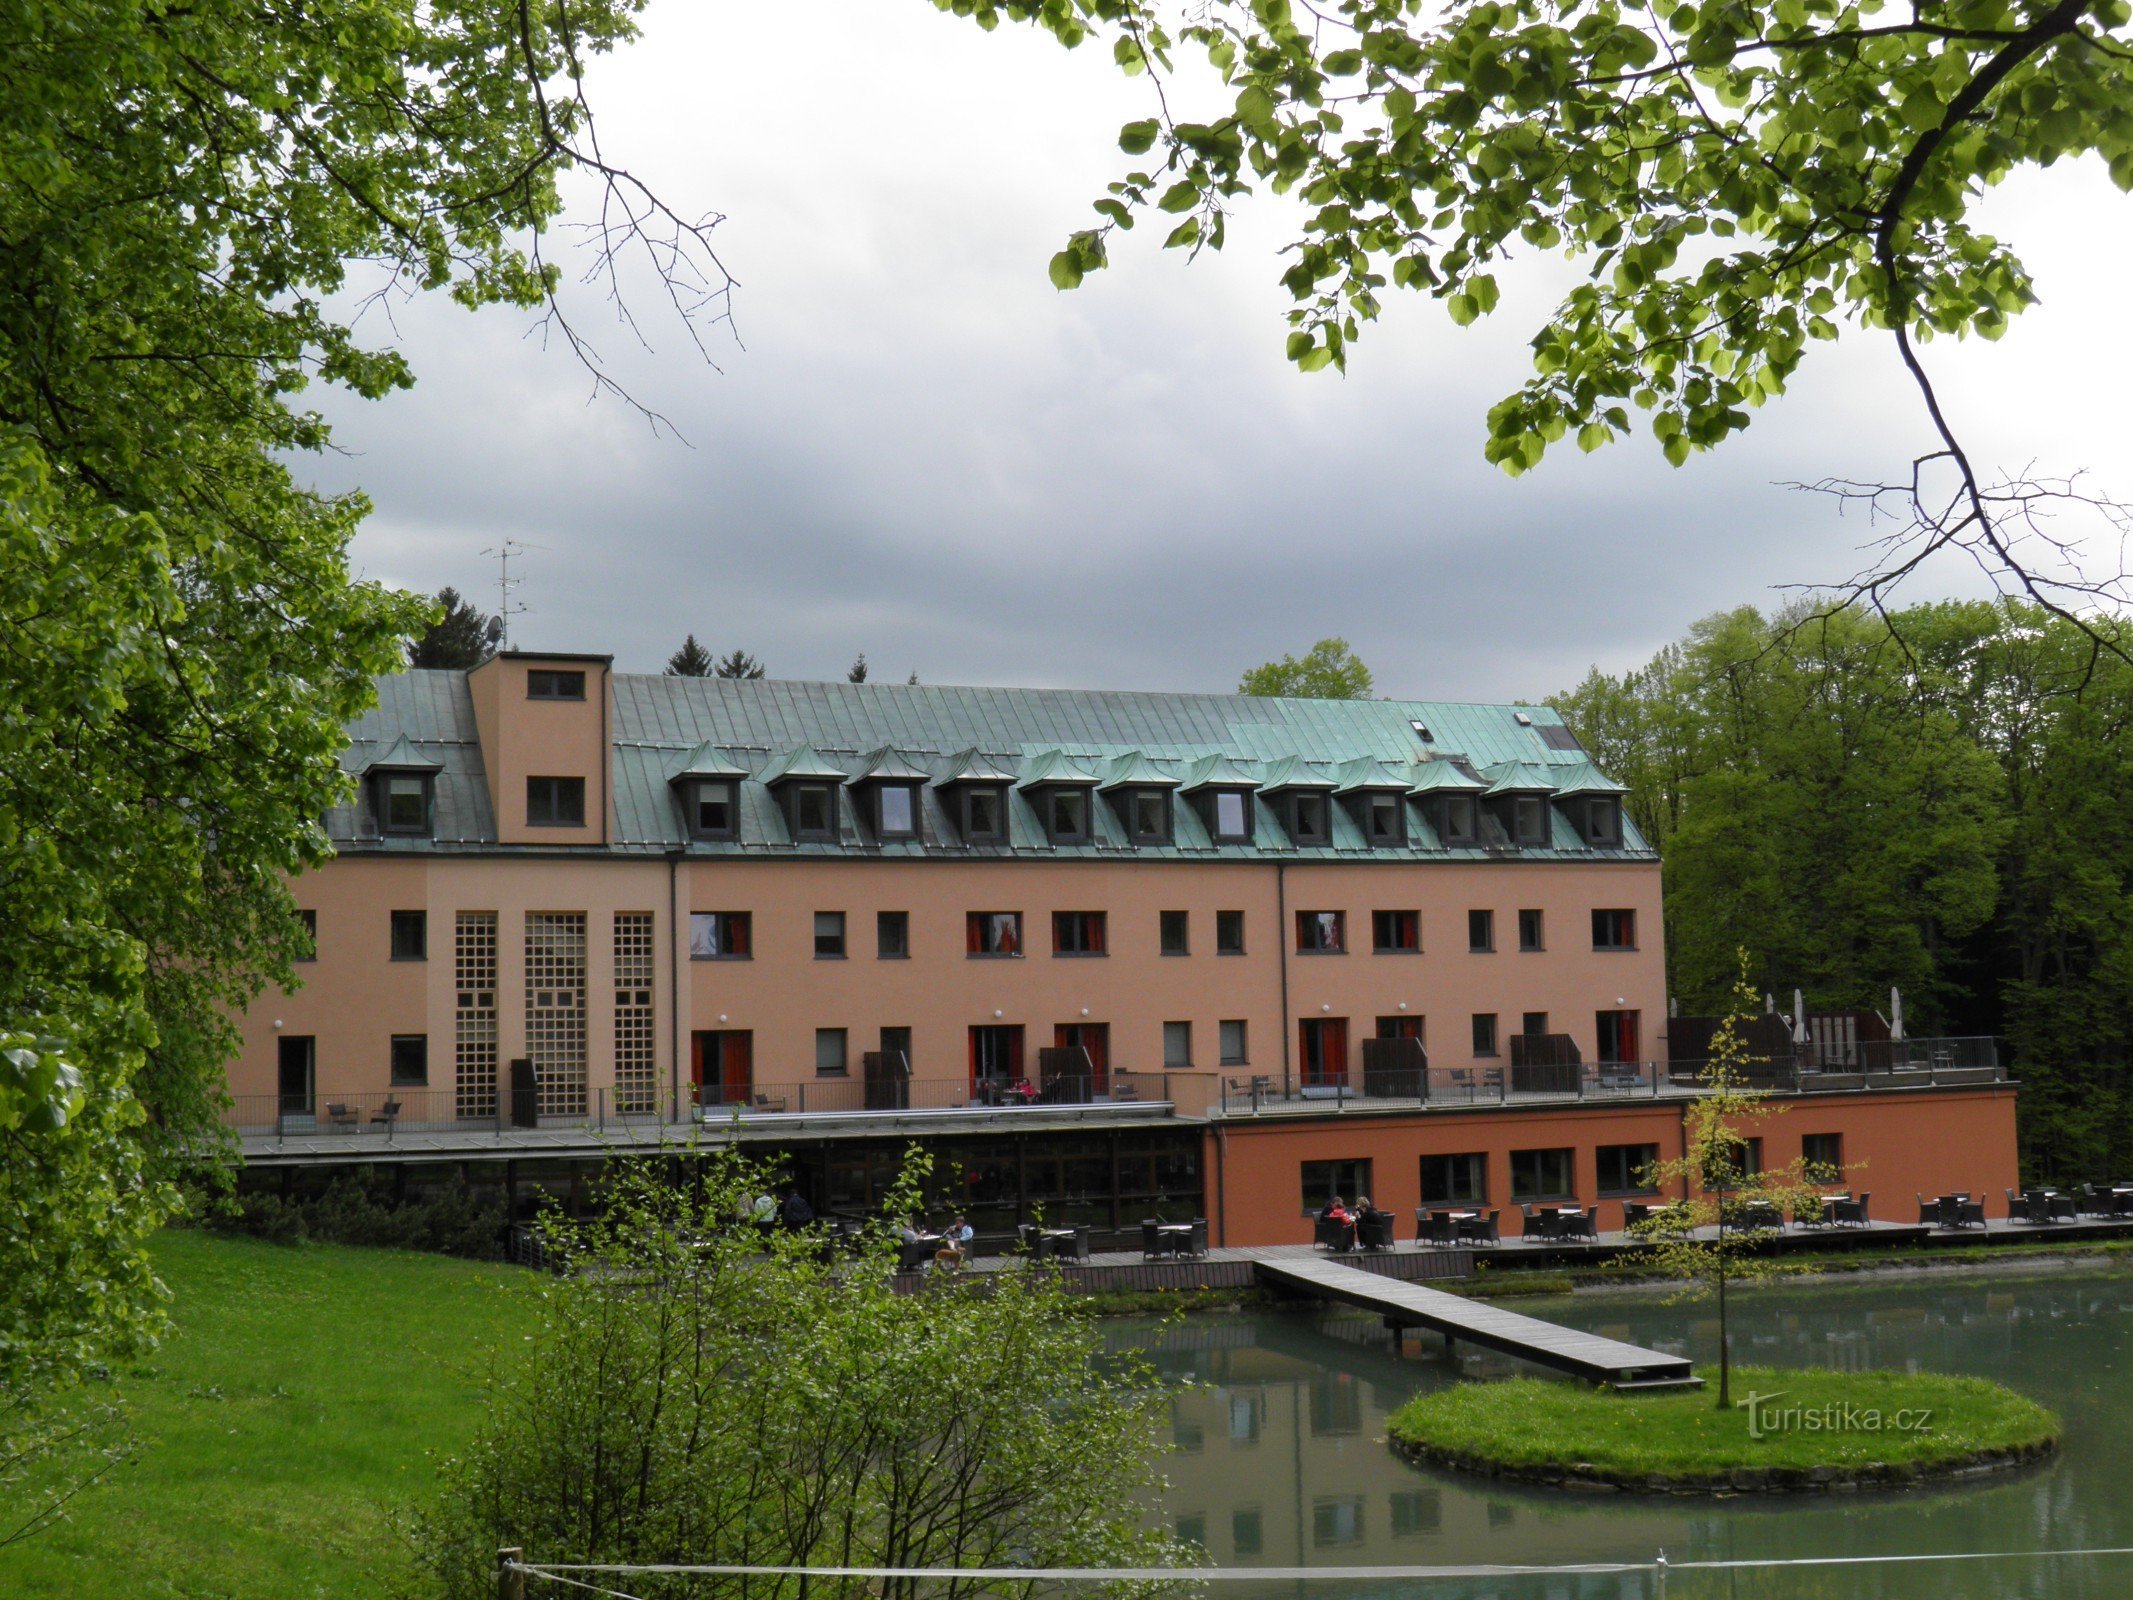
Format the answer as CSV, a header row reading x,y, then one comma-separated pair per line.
x,y
1279,1420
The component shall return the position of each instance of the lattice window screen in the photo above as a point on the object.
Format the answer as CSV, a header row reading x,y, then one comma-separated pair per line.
x,y
636,1069
474,1018
555,1008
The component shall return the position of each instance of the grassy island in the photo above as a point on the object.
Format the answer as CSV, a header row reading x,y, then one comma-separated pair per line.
x,y
1802,1431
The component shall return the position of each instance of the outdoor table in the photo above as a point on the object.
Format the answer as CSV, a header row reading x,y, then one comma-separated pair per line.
x,y
1174,1238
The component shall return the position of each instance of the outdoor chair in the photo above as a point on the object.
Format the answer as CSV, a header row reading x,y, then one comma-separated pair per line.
x,y
2018,1207
770,1102
1542,1224
913,1255
1331,1235
1151,1239
1434,1227
1028,1239
2093,1202
389,1114
1479,1230
1585,1227
1067,1244
1196,1247
341,1116
1855,1212
1929,1212
1968,1213
2060,1207
1634,1212
1373,1230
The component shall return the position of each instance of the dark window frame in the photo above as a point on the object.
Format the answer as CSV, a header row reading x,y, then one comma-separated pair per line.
x,y
555,683
1533,809
1130,814
966,824
1398,924
1457,1164
883,921
828,832
1294,819
1495,1035
699,791
1485,945
551,809
1624,1162
1181,922
1227,922
1600,822
308,921
1459,820
978,932
1215,830
1610,924
1353,1171
1522,1193
1168,1064
1532,935
1835,1160
426,794
725,924
1048,814
1072,933
1243,1057
842,937
844,1052
400,944
1310,946
882,791
1375,804
420,1043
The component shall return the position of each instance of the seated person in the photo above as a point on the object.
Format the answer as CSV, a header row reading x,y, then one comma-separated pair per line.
x,y
955,1244
1343,1219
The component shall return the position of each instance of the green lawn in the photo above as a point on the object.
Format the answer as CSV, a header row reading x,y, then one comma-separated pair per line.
x,y
292,1407
1847,1422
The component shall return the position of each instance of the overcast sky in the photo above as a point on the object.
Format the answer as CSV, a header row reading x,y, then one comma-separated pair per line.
x,y
922,451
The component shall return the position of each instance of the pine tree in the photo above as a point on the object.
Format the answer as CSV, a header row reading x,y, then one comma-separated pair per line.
x,y
740,664
857,671
460,637
692,660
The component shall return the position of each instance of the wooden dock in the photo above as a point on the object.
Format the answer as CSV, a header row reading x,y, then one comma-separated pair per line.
x,y
1547,1344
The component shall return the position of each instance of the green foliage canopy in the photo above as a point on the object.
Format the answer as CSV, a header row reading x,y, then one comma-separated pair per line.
x,y
1329,670
1735,180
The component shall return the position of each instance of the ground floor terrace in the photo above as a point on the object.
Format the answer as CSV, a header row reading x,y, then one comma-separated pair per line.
x,y
1256,1176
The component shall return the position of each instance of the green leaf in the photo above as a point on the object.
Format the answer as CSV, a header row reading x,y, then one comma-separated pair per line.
x,y
1066,270
1136,138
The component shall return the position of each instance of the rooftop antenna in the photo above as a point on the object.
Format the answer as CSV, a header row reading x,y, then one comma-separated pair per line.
x,y
506,586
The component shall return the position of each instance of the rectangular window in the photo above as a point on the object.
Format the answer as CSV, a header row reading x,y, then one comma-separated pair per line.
x,y
1336,1519
829,935
1396,932
984,816
1529,930
307,944
411,935
407,805
1387,818
1751,1157
1077,933
896,811
1542,1175
830,1058
636,1025
1148,816
1233,816
1232,1040
1415,1513
1625,1168
1066,816
555,1009
892,935
1617,1034
1229,933
1534,1024
544,684
1462,819
1823,1150
814,812
474,942
1308,819
1175,930
712,813
1484,1033
1614,930
1323,1180
1481,931
1177,1044
718,935
1603,822
1246,1532
1529,820
555,802
1455,1179
1321,933
411,1059
993,933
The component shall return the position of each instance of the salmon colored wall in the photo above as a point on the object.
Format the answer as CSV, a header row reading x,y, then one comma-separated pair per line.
x,y
1908,1140
523,738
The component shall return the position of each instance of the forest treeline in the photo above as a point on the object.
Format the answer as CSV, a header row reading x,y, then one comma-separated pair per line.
x,y
1939,800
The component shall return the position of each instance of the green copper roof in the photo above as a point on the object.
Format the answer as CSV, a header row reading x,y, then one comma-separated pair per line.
x,y
887,765
1438,776
1217,772
1135,771
709,761
402,757
765,731
1519,777
1584,778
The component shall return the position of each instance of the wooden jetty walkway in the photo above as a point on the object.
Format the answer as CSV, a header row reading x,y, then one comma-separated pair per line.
x,y
1547,1344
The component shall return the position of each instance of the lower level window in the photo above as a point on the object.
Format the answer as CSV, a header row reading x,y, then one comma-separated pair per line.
x,y
1447,1180
830,1058
1625,1168
1823,1150
411,1058
1542,1175
1324,1181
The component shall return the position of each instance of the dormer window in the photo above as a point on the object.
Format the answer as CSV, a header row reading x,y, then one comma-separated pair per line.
x,y
1384,820
1148,816
984,816
1066,815
1309,821
1529,820
1232,817
1601,822
1461,820
404,804
896,811
544,684
713,811
814,812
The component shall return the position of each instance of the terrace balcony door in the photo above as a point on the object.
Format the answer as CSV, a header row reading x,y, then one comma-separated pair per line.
x,y
296,1077
1323,1051
722,1066
1618,1035
995,1061
1095,1039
